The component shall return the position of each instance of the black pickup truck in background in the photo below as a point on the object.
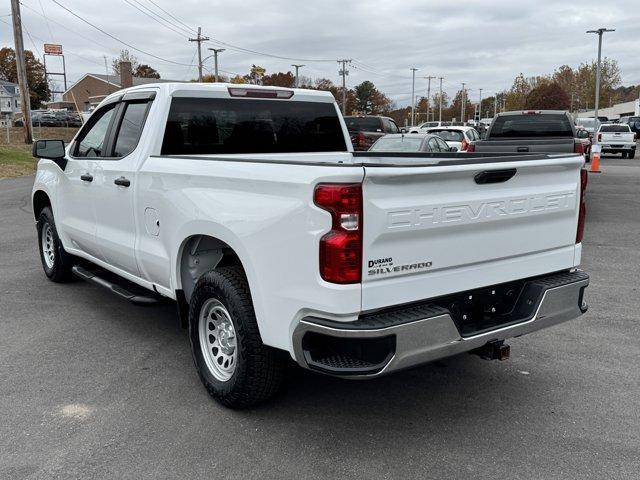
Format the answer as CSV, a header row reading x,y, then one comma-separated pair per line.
x,y
365,130
533,131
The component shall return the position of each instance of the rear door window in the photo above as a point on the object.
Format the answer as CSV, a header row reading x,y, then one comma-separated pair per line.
x,y
531,126
221,126
130,128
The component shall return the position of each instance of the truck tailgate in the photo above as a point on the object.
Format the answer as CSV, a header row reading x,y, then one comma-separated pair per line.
x,y
522,145
615,138
431,230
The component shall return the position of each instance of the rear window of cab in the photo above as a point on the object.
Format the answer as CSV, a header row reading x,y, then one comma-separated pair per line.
x,y
200,126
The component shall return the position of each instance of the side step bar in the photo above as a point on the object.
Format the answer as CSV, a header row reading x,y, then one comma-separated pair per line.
x,y
138,299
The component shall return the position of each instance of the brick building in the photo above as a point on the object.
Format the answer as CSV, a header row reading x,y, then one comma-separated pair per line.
x,y
92,88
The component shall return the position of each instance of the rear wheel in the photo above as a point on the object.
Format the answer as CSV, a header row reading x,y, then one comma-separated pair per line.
x,y
56,262
236,368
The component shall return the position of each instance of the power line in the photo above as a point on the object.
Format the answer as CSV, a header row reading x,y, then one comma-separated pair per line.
x,y
46,20
190,29
67,28
154,16
117,39
66,50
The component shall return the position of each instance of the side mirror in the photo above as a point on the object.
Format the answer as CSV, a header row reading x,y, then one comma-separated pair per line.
x,y
50,150
403,130
453,149
583,134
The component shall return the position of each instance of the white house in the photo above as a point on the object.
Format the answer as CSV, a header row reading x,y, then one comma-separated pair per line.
x,y
9,100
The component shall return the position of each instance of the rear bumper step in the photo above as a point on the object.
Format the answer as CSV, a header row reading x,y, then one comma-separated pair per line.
x,y
120,287
383,342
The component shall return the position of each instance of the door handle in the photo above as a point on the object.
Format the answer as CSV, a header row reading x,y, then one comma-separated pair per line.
x,y
494,176
123,182
87,177
523,149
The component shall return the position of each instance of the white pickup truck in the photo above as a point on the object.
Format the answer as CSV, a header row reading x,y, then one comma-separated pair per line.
x,y
247,206
617,138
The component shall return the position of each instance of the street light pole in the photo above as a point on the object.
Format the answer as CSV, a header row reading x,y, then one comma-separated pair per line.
x,y
297,67
413,96
598,32
440,102
462,103
480,107
429,96
216,51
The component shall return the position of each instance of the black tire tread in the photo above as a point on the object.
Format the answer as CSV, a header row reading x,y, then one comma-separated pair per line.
x,y
262,374
61,271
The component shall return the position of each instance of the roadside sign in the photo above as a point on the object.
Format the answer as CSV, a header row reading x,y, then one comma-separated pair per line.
x,y
52,49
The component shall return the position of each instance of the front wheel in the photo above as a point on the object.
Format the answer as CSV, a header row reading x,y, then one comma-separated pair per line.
x,y
631,154
56,262
236,368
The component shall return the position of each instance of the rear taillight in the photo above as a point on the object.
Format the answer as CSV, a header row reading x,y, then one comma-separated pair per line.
x,y
584,176
464,146
341,248
578,148
361,140
471,147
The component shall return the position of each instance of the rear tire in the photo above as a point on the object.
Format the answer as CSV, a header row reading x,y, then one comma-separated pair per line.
x,y
236,368
56,262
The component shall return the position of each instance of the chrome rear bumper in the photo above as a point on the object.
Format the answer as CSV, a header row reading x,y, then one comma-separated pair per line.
x,y
419,334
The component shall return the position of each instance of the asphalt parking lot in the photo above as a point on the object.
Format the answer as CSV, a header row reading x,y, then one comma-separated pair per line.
x,y
93,387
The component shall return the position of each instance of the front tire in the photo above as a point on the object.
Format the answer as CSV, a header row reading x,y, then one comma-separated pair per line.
x,y
236,368
631,154
56,262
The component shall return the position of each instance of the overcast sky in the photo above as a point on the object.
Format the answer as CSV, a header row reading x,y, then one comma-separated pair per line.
x,y
483,43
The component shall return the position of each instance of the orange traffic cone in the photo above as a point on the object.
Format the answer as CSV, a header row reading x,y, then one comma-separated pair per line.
x,y
595,162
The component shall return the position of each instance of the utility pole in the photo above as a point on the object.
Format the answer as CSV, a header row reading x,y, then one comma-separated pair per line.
x,y
344,72
429,96
598,32
413,96
25,100
480,107
215,51
297,78
462,103
199,39
495,105
440,101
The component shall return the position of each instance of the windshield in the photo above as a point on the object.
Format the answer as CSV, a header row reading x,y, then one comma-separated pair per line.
x,y
449,135
397,144
586,122
365,124
532,125
615,128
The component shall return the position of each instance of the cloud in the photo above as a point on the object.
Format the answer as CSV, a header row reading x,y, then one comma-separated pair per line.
x,y
483,43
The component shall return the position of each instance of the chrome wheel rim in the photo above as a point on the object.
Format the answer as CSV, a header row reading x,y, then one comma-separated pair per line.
x,y
48,248
218,339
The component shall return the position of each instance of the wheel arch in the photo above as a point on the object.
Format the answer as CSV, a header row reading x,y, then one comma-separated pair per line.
x,y
40,201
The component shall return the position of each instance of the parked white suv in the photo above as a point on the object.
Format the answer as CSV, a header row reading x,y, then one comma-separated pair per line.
x,y
247,206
